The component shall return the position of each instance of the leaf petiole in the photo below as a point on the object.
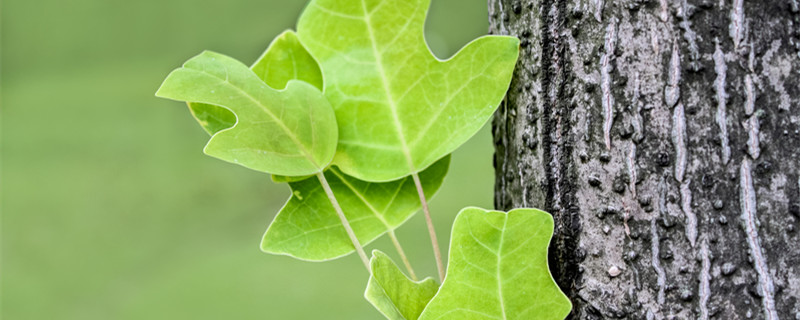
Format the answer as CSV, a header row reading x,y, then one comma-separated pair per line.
x,y
431,230
403,256
345,223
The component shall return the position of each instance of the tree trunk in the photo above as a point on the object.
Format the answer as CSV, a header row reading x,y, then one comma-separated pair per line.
x,y
664,137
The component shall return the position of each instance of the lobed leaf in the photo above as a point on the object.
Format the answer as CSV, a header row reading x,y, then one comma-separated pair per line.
x,y
290,132
498,269
399,107
396,296
287,53
307,226
285,59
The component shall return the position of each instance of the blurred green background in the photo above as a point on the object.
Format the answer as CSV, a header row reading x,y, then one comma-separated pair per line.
x,y
109,208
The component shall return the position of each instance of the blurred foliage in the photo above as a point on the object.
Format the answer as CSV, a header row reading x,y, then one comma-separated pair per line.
x,y
109,208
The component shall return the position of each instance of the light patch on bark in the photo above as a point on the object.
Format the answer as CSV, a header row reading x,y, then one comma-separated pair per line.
x,y
705,279
751,125
747,199
686,207
672,91
598,9
632,170
661,276
721,69
655,242
664,13
605,81
750,95
776,71
636,110
736,27
654,42
679,141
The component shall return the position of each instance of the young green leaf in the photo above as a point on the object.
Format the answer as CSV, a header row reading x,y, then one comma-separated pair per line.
x,y
498,269
307,227
400,108
290,132
396,296
286,53
285,59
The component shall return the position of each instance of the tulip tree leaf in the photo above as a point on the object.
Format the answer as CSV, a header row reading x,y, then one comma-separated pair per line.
x,y
286,52
399,107
285,59
498,269
307,227
396,296
289,132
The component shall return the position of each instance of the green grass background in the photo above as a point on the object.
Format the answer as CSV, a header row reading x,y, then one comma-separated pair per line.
x,y
110,210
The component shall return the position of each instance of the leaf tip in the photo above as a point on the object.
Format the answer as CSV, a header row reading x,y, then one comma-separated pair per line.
x,y
164,89
158,93
286,33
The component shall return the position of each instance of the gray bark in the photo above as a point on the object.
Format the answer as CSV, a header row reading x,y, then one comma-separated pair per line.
x,y
664,137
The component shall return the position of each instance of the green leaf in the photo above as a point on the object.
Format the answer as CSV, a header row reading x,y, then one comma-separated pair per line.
x,y
307,227
399,107
290,132
498,269
396,296
285,59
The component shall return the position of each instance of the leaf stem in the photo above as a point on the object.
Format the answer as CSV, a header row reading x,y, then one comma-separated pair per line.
x,y
345,223
403,255
431,230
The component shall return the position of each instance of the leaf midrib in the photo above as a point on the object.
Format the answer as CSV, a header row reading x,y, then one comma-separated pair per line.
x,y
384,82
499,259
364,200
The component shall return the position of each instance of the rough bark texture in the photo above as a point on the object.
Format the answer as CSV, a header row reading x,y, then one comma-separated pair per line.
x,y
664,137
